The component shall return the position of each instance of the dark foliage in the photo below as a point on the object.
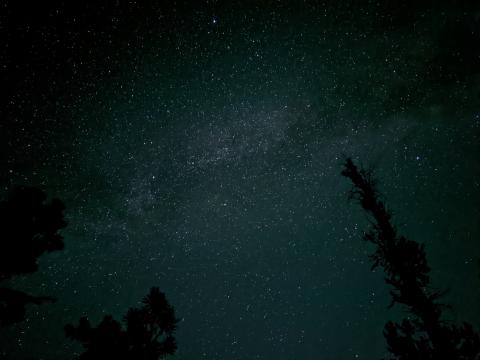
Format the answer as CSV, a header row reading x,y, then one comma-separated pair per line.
x,y
149,333
29,227
423,335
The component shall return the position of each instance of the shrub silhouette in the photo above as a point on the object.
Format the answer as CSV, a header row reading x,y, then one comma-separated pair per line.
x,y
29,227
149,333
423,335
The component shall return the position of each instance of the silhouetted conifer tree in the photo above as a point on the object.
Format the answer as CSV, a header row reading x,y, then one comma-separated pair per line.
x,y
149,333
28,228
423,335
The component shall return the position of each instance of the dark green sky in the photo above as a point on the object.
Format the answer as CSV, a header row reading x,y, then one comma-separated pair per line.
x,y
198,148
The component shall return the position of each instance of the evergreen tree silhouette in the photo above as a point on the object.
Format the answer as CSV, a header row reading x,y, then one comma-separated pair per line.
x,y
423,335
149,332
29,227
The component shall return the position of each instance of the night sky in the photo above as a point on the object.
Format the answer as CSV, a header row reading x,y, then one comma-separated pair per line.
x,y
198,148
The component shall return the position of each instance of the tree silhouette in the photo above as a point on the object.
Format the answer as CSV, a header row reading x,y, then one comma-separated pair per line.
x,y
149,333
423,335
29,227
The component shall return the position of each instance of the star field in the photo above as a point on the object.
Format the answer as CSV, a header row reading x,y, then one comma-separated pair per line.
x,y
198,148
